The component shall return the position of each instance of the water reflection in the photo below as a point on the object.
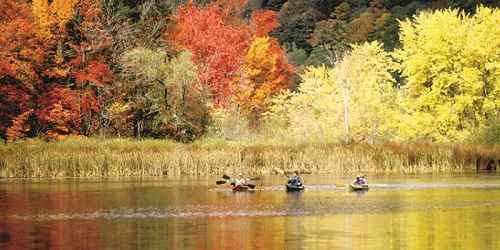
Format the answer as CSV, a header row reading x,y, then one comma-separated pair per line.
x,y
361,193
131,215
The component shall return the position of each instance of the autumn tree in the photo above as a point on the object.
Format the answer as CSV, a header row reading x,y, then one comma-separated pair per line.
x,y
19,126
52,16
312,113
265,73
451,62
59,112
22,54
218,41
366,88
353,101
329,40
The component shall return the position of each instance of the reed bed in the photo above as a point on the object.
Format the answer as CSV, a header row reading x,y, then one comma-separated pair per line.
x,y
97,157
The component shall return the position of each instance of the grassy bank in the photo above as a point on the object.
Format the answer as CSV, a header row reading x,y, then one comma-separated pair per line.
x,y
95,157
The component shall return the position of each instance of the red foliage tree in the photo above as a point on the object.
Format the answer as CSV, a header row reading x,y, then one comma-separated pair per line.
x,y
263,21
90,68
218,40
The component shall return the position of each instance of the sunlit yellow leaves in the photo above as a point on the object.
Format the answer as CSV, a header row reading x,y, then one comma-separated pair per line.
x,y
62,10
51,17
451,63
361,85
41,12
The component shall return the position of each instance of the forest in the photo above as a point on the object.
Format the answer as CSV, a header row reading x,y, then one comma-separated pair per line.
x,y
336,71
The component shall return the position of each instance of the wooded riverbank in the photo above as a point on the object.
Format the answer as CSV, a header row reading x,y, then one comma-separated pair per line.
x,y
97,157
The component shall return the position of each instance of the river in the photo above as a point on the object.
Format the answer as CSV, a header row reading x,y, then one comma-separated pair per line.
x,y
398,212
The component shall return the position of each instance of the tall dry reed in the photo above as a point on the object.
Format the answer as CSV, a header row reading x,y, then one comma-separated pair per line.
x,y
94,157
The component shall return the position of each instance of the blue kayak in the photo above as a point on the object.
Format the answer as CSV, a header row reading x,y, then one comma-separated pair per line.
x,y
292,188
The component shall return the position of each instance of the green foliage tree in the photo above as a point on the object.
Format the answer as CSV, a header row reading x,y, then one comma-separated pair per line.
x,y
296,56
452,64
329,41
163,95
296,19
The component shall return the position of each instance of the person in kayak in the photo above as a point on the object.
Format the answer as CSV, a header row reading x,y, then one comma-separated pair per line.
x,y
240,181
295,180
360,180
363,180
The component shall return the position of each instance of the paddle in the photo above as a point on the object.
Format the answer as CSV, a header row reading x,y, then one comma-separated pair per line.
x,y
220,182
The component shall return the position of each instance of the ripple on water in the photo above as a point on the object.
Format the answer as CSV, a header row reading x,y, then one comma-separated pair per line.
x,y
309,206
155,214
314,209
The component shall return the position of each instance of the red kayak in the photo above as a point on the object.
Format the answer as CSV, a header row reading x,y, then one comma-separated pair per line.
x,y
242,188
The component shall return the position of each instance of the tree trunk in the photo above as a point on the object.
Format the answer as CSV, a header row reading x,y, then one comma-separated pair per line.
x,y
346,112
183,99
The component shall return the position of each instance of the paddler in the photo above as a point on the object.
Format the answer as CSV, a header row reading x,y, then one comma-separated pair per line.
x,y
360,180
240,181
295,180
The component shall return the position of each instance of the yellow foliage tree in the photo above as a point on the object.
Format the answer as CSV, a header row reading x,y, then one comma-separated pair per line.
x,y
310,114
51,17
370,103
41,12
452,64
355,100
62,11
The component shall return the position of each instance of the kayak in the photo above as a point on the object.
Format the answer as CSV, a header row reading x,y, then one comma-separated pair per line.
x,y
356,187
291,188
242,188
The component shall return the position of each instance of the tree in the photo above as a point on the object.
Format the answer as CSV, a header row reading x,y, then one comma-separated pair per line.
x,y
161,95
19,126
329,41
218,41
366,88
22,54
354,101
262,22
359,28
51,16
309,114
59,112
297,20
217,46
265,72
452,66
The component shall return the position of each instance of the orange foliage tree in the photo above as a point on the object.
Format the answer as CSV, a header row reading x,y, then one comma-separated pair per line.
x,y
59,111
22,55
51,16
90,68
19,126
265,73
55,73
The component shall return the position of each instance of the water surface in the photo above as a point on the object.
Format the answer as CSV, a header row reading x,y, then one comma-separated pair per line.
x,y
420,212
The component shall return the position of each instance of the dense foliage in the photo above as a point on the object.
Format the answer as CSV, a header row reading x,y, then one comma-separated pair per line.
x,y
364,71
